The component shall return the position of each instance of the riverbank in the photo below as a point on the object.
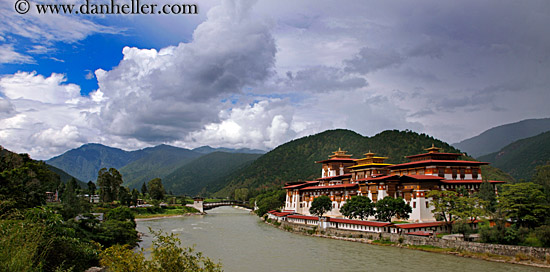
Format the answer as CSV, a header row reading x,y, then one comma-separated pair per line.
x,y
519,258
151,213
162,216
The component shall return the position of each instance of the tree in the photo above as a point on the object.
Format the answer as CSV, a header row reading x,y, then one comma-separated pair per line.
x,y
144,189
91,188
135,196
109,183
525,203
269,200
124,196
320,205
389,207
71,204
542,177
156,190
444,205
241,194
487,194
358,207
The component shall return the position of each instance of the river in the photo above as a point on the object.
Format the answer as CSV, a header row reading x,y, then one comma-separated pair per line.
x,y
242,242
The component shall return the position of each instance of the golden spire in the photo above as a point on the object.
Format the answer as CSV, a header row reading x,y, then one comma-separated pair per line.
x,y
340,154
433,149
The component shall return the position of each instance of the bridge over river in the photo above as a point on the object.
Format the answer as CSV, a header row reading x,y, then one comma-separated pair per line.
x,y
202,206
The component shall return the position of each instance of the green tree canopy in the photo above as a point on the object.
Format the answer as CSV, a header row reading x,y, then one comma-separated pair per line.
x,y
156,190
135,196
72,205
320,205
525,203
109,183
270,200
487,194
358,207
91,188
144,189
542,178
389,207
444,203
124,196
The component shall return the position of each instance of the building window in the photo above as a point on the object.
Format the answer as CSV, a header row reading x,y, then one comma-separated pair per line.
x,y
454,173
441,172
462,173
414,205
427,204
474,173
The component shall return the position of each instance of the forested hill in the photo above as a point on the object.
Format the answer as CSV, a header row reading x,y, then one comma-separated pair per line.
x,y
207,173
522,157
24,181
155,162
295,160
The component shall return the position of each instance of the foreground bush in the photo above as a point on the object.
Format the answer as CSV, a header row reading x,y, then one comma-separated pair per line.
x,y
167,255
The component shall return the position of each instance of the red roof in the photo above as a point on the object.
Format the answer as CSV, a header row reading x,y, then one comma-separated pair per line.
x,y
360,222
378,178
347,185
280,214
335,177
419,233
444,162
337,159
420,177
297,216
300,184
436,153
424,177
420,225
469,181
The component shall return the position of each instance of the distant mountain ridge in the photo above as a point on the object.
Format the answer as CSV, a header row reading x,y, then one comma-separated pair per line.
x,y
494,139
140,166
521,157
207,149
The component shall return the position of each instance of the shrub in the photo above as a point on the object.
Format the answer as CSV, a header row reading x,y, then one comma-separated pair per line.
x,y
167,255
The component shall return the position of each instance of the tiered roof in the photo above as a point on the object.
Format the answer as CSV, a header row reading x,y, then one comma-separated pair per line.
x,y
339,156
434,157
370,161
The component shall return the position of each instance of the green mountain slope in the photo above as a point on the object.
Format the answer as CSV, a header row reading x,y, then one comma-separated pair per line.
x,y
295,160
496,138
205,173
84,162
66,177
521,157
155,162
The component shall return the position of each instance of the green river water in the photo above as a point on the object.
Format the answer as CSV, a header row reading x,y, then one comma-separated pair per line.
x,y
242,242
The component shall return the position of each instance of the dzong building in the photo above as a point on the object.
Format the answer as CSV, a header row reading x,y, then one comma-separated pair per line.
x,y
343,177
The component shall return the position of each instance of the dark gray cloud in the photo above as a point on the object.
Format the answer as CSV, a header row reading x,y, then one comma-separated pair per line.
x,y
322,79
369,60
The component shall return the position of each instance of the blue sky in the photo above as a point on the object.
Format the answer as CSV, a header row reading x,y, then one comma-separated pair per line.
x,y
257,74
